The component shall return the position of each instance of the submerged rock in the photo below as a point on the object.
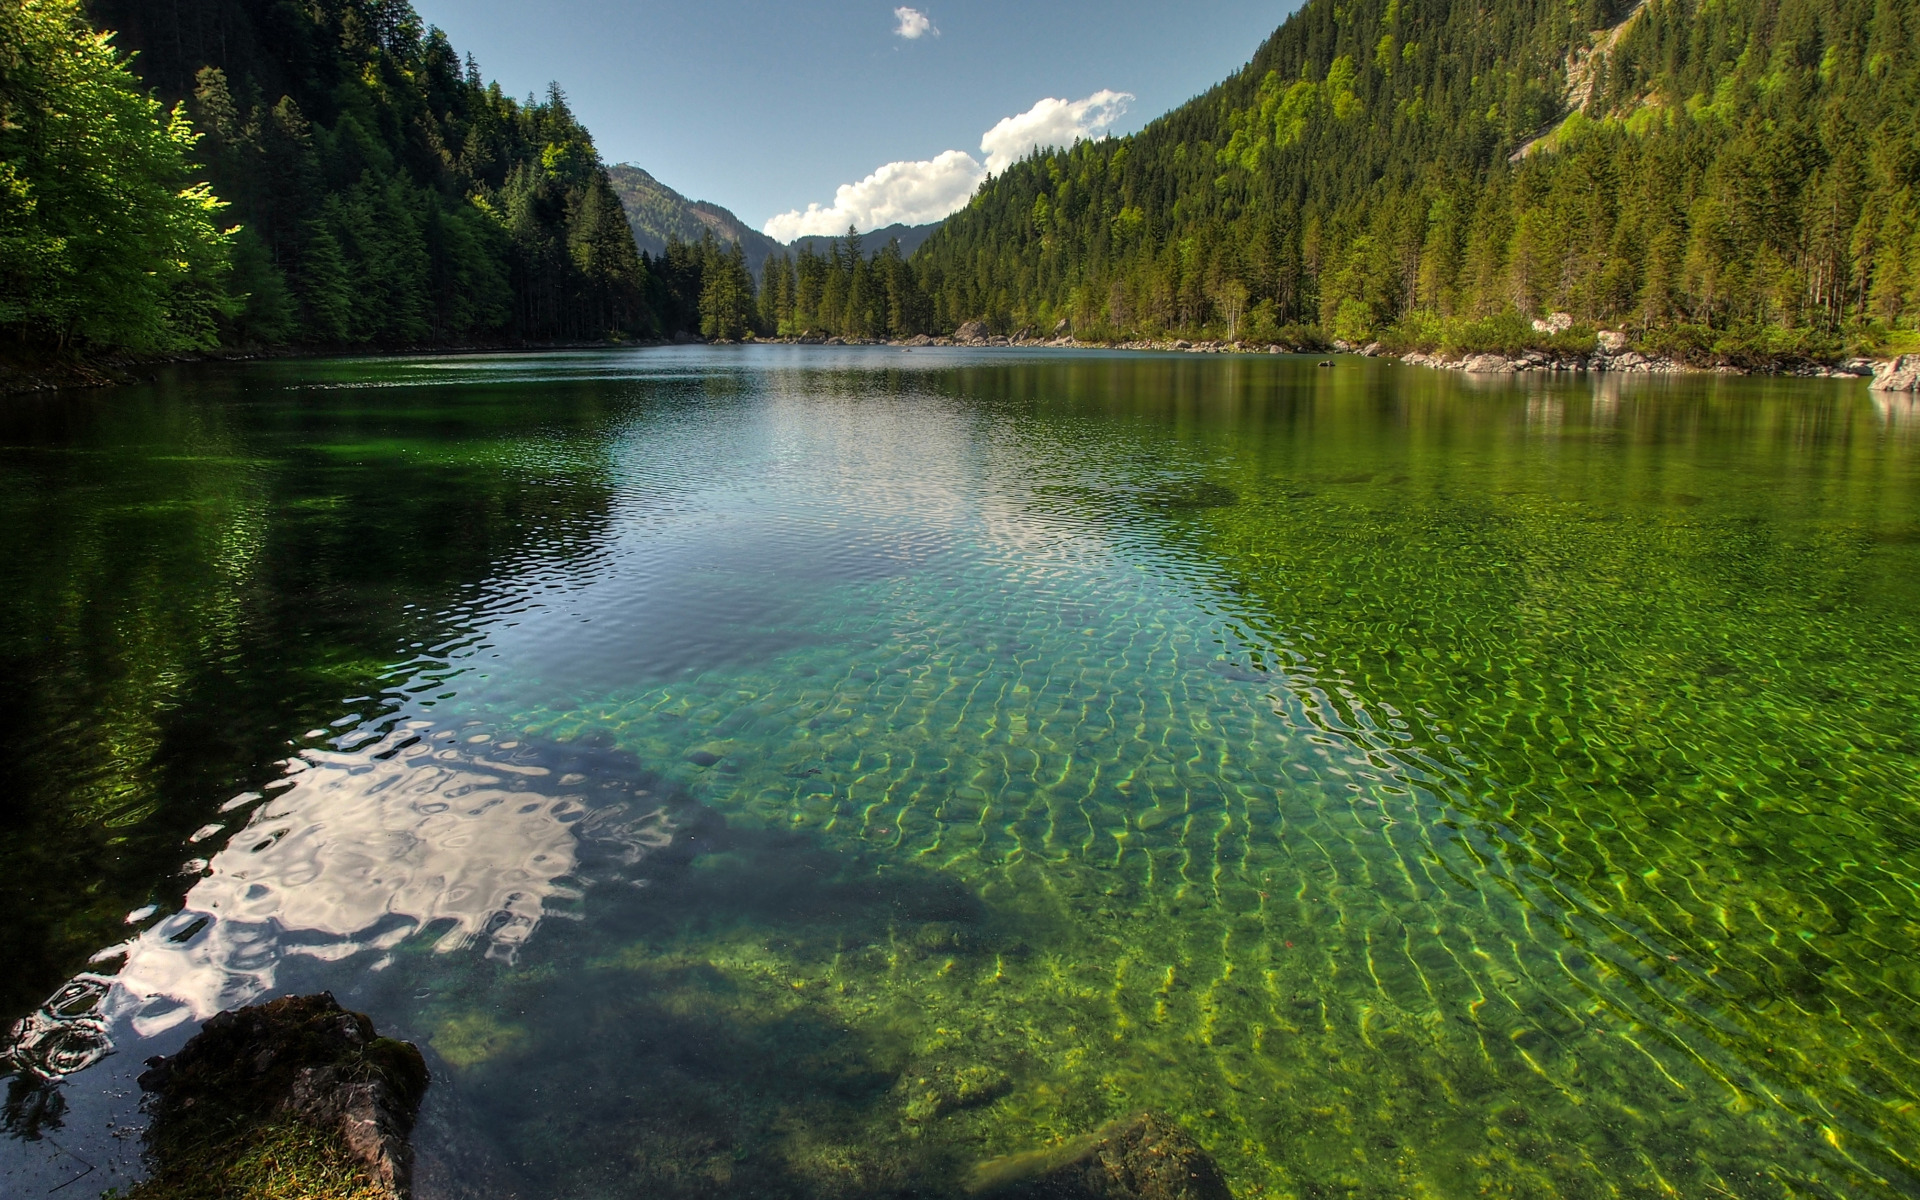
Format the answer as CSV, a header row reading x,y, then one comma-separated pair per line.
x,y
253,1088
934,1095
1145,1157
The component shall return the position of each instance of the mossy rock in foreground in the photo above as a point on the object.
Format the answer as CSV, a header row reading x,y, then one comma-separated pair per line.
x,y
296,1099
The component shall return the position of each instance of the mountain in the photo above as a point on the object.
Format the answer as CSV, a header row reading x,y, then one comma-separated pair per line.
x,y
658,215
1727,180
910,237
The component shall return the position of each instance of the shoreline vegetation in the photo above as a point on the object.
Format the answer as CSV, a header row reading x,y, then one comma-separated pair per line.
x,y
1606,351
1728,184
1724,187
234,177
1601,351
1619,185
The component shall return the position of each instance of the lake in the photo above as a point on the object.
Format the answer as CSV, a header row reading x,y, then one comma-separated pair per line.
x,y
821,772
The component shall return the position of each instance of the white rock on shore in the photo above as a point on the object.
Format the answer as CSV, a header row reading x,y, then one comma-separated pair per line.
x,y
1897,375
1611,355
1537,360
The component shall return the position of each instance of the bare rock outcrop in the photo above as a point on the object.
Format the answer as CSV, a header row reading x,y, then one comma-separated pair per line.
x,y
1611,354
1898,375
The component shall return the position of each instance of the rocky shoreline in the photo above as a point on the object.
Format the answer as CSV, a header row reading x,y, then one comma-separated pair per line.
x,y
1613,355
1623,361
974,335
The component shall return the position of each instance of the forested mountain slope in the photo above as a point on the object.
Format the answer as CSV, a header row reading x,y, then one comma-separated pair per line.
x,y
659,215
1731,177
385,194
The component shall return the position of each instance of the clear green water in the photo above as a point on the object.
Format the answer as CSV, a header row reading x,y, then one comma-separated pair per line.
x,y
790,772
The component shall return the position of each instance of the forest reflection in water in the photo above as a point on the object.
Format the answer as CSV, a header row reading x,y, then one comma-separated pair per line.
x,y
823,773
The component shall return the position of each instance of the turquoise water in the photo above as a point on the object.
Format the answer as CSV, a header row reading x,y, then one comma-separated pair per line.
x,y
807,772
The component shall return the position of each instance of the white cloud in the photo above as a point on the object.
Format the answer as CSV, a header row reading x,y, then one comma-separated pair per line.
x,y
914,193
908,192
914,24
1052,123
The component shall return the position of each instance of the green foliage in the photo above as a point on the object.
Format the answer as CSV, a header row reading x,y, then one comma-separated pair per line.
x,y
1507,333
1744,168
846,292
726,292
389,196
104,239
1746,345
282,1159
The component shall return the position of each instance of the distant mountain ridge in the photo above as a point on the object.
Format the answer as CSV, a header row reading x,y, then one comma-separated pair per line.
x,y
911,237
658,214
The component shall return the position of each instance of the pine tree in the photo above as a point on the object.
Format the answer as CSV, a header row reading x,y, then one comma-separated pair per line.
x,y
355,144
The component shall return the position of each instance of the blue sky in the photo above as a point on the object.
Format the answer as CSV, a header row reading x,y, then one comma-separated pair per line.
x,y
769,107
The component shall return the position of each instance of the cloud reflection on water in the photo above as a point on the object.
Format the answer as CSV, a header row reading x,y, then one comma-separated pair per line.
x,y
362,850
417,831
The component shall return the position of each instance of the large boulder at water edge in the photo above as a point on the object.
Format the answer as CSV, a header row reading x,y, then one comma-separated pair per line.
x,y
972,331
1487,364
294,1098
1145,1157
1900,375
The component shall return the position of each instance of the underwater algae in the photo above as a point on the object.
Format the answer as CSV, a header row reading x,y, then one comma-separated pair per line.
x,y
1410,787
1240,873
